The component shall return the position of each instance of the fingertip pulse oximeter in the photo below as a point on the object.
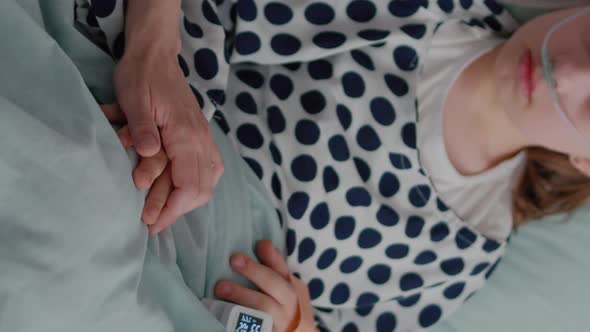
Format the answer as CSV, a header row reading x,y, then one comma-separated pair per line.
x,y
237,318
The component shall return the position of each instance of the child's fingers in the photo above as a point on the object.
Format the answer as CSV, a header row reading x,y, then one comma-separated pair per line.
x,y
272,258
125,137
267,280
157,197
148,169
231,291
113,113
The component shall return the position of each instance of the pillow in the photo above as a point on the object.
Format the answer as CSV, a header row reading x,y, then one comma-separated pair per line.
x,y
542,282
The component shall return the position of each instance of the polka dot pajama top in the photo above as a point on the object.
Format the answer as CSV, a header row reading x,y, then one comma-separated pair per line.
x,y
320,98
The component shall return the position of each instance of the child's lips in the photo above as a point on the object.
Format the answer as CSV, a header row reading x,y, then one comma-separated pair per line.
x,y
525,74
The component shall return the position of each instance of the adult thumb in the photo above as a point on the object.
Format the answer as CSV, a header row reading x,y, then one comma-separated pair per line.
x,y
144,132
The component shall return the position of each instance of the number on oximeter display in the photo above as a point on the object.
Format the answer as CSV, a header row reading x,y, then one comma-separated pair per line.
x,y
247,323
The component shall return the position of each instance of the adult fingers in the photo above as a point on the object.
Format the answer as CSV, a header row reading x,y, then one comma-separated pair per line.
x,y
217,165
113,113
272,258
156,198
174,208
267,280
125,137
148,169
231,291
142,125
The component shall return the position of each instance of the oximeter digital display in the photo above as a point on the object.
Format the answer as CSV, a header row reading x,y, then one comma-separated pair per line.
x,y
237,318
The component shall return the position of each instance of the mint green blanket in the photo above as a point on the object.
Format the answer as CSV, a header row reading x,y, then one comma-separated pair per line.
x,y
74,255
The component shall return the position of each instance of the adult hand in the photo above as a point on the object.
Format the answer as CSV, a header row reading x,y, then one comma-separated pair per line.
x,y
281,295
154,171
161,110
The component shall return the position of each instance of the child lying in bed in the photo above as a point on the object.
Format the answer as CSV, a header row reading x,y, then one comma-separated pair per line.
x,y
402,141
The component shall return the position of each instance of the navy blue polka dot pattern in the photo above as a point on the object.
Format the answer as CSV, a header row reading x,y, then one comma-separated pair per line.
x,y
285,44
320,216
382,111
291,240
409,301
379,274
316,288
330,179
329,39
465,238
275,120
104,8
369,238
368,139
247,43
255,166
405,58
353,85
304,168
358,196
386,322
446,5
397,251
247,10
351,264
400,161
327,258
307,132
344,116
452,266
250,136
183,66
410,281
362,59
430,315
454,291
306,249
340,294
373,34
350,327
209,13
361,10
387,216
320,69
275,153
388,185
416,31
246,103
281,86
251,77
362,168
297,204
397,85
466,4
344,227
414,226
479,268
193,29
402,8
313,102
338,148
439,232
419,195
278,13
425,257
276,186
319,13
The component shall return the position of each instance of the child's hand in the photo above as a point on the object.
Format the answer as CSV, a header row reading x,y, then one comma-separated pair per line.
x,y
281,295
151,172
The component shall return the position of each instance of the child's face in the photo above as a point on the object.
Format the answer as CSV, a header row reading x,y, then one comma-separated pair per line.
x,y
525,94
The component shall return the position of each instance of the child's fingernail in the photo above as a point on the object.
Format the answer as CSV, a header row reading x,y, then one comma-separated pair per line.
x,y
224,289
239,262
